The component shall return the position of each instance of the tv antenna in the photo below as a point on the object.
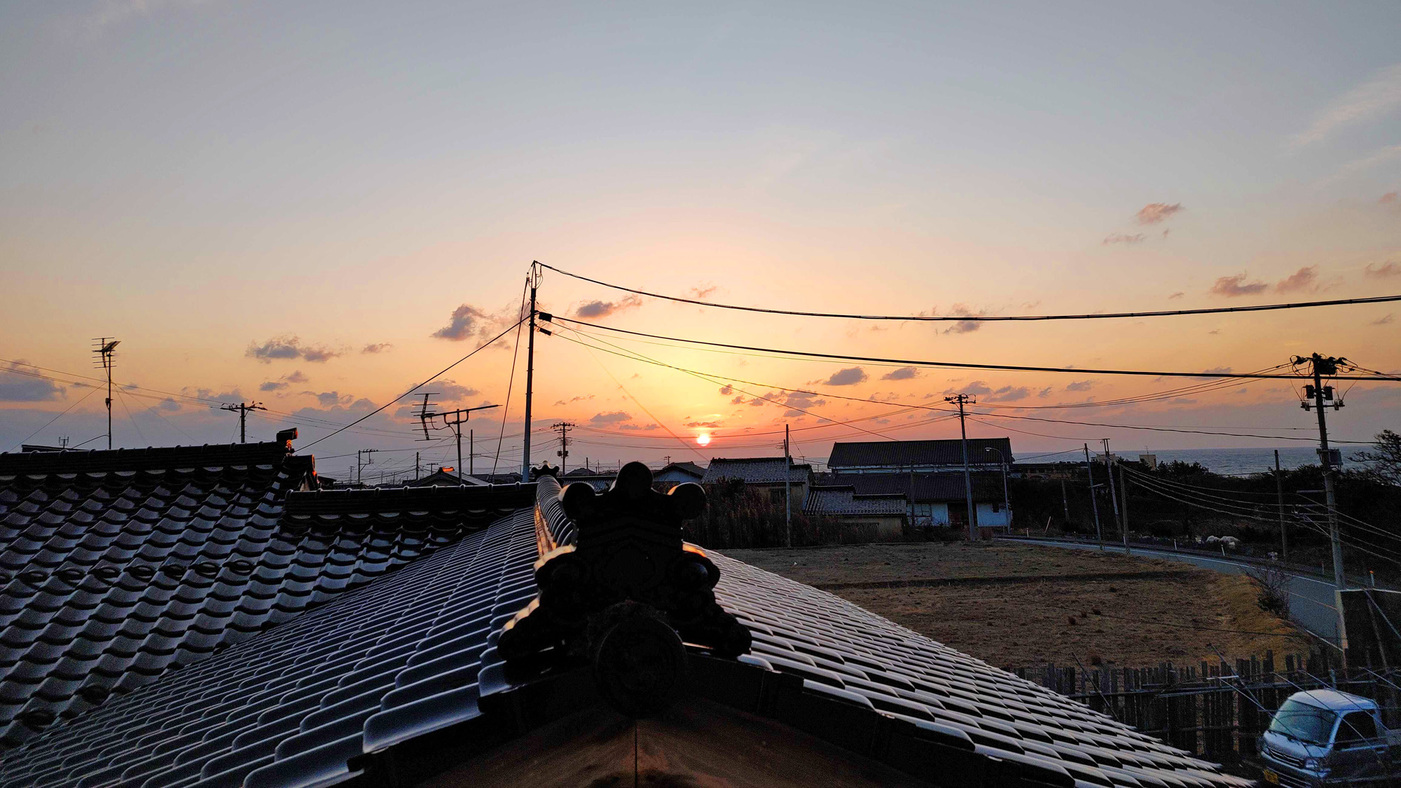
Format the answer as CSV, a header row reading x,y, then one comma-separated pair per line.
x,y
448,419
104,348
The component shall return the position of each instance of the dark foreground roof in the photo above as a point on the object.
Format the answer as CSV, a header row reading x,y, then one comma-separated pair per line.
x,y
916,454
117,567
344,692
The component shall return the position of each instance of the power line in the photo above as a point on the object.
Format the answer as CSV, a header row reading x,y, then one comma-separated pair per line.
x,y
961,364
986,318
55,418
713,377
417,387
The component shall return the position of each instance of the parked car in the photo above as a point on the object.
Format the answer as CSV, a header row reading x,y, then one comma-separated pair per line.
x,y
1328,738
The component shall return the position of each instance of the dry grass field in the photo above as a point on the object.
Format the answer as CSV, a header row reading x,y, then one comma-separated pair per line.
x,y
1018,605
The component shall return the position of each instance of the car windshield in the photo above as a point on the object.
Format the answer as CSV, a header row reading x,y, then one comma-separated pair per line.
x,y
1306,723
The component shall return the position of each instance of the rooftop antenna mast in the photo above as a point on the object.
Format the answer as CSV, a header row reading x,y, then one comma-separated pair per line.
x,y
104,348
242,409
449,419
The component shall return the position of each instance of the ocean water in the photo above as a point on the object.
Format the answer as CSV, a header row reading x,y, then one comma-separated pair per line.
x,y
1230,462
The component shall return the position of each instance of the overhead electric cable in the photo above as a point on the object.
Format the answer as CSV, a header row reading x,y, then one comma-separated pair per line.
x,y
715,377
55,418
986,318
961,364
430,379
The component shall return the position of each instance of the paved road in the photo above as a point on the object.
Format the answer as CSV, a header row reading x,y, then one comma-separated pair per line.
x,y
1310,599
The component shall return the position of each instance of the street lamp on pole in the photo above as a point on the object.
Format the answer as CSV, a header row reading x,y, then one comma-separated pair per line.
x,y
1006,503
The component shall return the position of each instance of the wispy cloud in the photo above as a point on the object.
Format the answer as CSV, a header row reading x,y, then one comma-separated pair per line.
x,y
1385,199
1176,295
1080,385
845,377
285,348
1385,320
105,14
20,382
964,326
1384,271
1305,278
1371,100
1157,212
606,308
1121,238
1374,159
1236,286
903,373
378,347
611,417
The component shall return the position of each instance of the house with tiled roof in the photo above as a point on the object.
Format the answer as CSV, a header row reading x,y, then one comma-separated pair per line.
x,y
935,499
879,516
674,473
917,456
765,474
207,617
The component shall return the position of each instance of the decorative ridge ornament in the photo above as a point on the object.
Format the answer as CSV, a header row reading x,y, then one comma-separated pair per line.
x,y
627,593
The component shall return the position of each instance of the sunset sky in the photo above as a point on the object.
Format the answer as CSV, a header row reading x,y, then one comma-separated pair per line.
x,y
318,205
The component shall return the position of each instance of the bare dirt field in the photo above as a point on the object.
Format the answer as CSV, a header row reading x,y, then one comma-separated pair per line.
x,y
1018,605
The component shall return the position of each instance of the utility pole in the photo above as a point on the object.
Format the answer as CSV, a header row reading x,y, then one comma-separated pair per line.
x,y
961,399
1113,498
452,420
416,471
471,454
104,348
1065,501
359,466
787,491
1124,504
529,371
564,427
1089,469
1279,493
1006,501
242,409
1322,397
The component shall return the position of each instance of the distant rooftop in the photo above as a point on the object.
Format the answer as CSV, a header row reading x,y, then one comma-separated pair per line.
x,y
843,500
755,470
917,454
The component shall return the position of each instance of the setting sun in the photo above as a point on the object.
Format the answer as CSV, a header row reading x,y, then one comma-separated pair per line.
x,y
703,439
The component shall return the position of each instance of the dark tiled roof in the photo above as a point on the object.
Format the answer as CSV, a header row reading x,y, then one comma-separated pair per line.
x,y
118,566
688,468
754,470
445,479
924,487
840,500
387,662
413,653
915,454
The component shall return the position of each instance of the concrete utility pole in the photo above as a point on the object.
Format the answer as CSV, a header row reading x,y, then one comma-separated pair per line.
x,y
1279,493
961,399
1322,397
529,371
1006,501
359,466
564,427
1113,497
242,409
1089,469
787,491
1124,505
